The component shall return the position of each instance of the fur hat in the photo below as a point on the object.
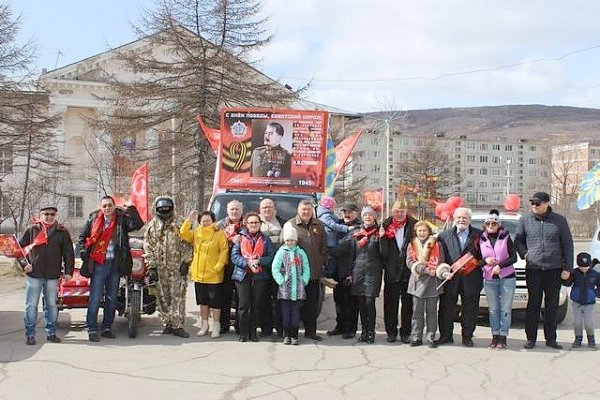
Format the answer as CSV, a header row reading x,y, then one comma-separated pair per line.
x,y
368,209
400,205
289,232
328,202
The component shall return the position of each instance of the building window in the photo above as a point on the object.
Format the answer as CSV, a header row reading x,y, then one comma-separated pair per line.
x,y
470,171
495,172
483,171
508,147
532,161
470,157
496,147
532,148
470,184
6,160
376,168
483,184
376,154
483,146
471,145
375,141
75,206
483,158
4,208
496,159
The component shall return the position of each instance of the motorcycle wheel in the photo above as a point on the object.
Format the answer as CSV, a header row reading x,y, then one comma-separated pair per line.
x,y
133,316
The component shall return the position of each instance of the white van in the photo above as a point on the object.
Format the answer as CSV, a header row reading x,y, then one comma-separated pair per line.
x,y
510,221
595,248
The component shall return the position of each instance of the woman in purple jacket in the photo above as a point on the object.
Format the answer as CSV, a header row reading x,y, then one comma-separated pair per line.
x,y
498,255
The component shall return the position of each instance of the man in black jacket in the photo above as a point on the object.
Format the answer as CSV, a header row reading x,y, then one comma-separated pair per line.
x,y
104,245
457,241
396,233
544,240
48,245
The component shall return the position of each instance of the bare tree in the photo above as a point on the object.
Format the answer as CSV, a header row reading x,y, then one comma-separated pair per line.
x,y
30,152
199,59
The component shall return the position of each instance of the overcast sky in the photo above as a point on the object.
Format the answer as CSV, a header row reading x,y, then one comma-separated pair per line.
x,y
364,55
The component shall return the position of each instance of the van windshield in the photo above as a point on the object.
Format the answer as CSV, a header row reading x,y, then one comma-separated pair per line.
x,y
286,204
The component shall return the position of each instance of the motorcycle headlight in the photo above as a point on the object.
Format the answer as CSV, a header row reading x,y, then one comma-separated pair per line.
x,y
138,266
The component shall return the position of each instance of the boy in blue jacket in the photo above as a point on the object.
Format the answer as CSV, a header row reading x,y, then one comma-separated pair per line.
x,y
586,286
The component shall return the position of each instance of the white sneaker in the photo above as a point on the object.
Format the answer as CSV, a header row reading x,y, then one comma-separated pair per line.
x,y
216,330
203,329
198,323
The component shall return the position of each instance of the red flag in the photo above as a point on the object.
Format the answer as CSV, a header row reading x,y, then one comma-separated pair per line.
x,y
10,247
344,149
374,198
139,192
212,135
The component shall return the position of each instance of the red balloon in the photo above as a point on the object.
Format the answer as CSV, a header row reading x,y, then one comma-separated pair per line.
x,y
455,201
442,212
512,202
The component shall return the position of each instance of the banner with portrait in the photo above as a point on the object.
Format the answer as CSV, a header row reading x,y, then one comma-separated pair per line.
x,y
274,150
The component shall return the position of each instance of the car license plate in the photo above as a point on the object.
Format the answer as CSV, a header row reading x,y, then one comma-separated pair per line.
x,y
521,297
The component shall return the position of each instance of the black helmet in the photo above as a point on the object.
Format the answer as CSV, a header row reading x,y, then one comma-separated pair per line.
x,y
164,207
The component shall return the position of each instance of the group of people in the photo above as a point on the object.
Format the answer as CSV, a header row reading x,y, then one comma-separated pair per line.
x,y
274,269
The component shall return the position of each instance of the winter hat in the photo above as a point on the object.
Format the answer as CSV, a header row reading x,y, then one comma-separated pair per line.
x,y
494,216
289,232
584,260
542,197
368,209
328,202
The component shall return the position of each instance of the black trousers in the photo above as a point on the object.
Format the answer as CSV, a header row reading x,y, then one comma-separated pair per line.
x,y
346,308
367,314
250,294
547,283
469,310
270,313
227,295
310,308
393,293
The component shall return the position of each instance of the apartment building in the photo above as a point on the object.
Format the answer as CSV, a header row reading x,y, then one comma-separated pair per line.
x,y
484,170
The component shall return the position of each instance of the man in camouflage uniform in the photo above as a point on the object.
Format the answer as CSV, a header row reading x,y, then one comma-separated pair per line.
x,y
168,258
271,160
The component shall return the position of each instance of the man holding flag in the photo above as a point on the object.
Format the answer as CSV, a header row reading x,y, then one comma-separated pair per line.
x,y
48,245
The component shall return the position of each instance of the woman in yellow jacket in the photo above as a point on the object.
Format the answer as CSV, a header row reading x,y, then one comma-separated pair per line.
x,y
211,254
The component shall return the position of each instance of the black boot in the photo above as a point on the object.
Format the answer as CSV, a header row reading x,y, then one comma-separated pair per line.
x,y
494,342
577,342
363,337
370,337
592,342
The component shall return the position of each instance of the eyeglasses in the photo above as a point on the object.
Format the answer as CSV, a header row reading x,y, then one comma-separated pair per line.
x,y
535,203
49,214
492,223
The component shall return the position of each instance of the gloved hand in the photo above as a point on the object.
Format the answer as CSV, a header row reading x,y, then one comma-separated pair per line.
x,y
184,268
152,275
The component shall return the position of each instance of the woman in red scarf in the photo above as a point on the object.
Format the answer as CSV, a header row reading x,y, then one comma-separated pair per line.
x,y
251,258
367,264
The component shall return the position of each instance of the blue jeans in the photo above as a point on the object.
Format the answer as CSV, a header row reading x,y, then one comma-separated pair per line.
x,y
500,294
35,286
105,278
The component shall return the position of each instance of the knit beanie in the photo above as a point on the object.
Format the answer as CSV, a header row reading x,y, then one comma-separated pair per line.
x,y
289,232
368,209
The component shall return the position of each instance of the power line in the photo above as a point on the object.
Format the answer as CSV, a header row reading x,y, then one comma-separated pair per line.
x,y
449,74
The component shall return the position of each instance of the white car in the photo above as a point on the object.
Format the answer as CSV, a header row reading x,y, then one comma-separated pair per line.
x,y
595,248
510,221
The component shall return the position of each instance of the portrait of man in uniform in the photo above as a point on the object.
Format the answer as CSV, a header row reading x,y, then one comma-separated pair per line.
x,y
271,160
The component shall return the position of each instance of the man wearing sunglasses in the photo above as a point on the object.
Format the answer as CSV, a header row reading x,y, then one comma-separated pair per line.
x,y
544,241
48,247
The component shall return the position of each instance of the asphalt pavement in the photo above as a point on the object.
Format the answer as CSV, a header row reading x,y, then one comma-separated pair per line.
x,y
155,366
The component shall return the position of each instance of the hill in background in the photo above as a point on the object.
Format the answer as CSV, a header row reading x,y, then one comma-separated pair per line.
x,y
531,122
